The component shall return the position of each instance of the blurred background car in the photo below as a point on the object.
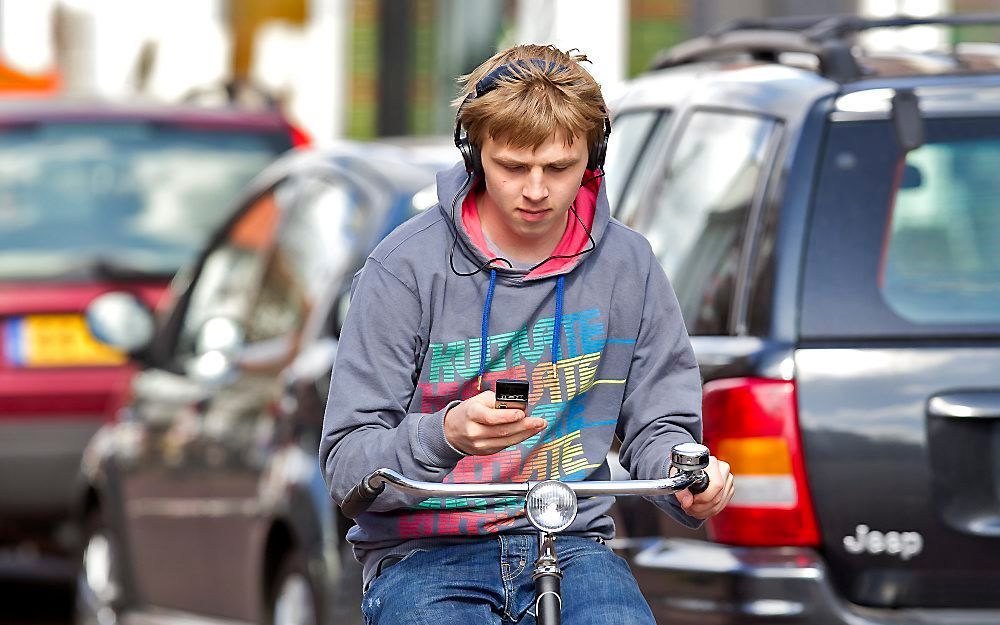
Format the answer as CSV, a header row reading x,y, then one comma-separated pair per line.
x,y
829,219
94,197
205,496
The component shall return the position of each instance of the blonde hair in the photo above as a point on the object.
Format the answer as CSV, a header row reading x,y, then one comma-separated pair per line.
x,y
535,101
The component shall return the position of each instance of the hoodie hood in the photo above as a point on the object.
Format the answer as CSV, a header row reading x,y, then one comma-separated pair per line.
x,y
459,207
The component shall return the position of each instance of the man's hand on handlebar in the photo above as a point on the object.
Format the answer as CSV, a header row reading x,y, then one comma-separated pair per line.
x,y
476,427
711,502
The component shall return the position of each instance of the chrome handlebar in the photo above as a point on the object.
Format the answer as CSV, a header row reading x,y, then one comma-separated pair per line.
x,y
690,459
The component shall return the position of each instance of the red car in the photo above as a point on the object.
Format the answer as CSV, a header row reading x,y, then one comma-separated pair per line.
x,y
94,198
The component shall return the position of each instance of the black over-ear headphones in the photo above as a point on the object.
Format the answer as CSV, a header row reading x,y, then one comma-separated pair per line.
x,y
489,82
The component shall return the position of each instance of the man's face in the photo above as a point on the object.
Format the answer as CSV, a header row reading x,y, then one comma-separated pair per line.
x,y
529,191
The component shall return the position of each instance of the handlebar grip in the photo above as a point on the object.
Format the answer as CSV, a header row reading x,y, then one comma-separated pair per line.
x,y
700,485
359,498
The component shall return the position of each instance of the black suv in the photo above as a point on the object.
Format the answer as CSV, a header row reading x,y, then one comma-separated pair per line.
x,y
830,222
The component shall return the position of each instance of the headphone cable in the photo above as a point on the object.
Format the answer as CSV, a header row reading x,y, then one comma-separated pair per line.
x,y
572,207
454,242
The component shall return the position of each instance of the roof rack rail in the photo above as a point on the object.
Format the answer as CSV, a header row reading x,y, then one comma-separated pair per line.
x,y
825,37
797,22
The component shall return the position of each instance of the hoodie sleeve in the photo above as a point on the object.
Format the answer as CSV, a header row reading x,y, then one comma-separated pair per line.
x,y
366,426
662,403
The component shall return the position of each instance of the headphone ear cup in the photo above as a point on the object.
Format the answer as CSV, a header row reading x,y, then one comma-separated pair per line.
x,y
463,149
470,155
476,160
595,160
600,150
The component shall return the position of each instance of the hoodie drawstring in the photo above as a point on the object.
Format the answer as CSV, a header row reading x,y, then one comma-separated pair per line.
x,y
556,333
556,327
486,328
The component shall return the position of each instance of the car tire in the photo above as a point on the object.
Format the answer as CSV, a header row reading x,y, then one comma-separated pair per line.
x,y
98,579
294,599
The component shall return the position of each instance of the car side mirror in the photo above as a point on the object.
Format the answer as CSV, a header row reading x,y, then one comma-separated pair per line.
x,y
122,321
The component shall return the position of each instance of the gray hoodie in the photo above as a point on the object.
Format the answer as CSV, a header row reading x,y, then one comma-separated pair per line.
x,y
419,337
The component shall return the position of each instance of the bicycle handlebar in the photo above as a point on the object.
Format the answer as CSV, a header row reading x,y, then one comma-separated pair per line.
x,y
365,492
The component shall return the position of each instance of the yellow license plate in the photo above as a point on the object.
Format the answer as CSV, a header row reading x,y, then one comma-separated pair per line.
x,y
59,340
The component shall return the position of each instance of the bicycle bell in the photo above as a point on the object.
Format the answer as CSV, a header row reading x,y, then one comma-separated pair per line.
x,y
689,457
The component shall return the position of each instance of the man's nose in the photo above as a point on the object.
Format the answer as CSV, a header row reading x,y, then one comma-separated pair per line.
x,y
535,188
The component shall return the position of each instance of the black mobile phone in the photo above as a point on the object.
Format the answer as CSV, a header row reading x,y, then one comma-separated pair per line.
x,y
512,394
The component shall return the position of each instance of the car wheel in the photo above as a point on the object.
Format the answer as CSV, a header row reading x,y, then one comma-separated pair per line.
x,y
294,600
98,584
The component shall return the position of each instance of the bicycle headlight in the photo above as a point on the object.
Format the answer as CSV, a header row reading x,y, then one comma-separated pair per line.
x,y
551,506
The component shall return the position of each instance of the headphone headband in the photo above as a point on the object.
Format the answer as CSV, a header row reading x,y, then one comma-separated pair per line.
x,y
489,82
514,70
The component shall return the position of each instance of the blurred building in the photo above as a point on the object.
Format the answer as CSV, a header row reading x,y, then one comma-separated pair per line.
x,y
368,68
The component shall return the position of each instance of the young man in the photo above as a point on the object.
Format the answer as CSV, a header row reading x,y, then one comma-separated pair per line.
x,y
518,273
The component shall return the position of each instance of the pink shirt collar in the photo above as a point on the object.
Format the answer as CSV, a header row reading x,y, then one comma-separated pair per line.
x,y
574,238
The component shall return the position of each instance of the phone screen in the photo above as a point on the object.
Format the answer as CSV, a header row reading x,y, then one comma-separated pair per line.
x,y
512,394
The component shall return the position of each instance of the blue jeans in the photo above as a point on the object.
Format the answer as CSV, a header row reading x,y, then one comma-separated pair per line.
x,y
489,581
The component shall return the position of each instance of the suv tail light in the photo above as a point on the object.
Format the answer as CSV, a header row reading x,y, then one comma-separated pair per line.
x,y
752,424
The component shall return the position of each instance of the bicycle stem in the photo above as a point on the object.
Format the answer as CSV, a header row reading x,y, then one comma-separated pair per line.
x,y
548,578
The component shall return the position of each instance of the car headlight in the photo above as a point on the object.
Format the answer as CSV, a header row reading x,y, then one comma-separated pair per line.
x,y
551,506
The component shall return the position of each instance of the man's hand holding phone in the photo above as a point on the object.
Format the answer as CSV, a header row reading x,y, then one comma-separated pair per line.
x,y
478,428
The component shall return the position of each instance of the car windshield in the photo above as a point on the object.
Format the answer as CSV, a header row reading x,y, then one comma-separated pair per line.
x,y
115,200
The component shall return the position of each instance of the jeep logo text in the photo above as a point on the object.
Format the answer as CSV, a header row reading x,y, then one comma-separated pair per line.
x,y
902,544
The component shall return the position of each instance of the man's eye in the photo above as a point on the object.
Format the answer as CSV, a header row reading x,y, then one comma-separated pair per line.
x,y
513,167
559,168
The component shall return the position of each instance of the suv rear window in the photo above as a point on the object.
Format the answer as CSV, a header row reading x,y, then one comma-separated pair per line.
x,y
906,245
942,261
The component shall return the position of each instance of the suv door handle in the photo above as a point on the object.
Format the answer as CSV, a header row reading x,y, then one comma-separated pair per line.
x,y
965,405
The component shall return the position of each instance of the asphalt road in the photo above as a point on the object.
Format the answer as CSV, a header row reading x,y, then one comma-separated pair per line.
x,y
25,603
